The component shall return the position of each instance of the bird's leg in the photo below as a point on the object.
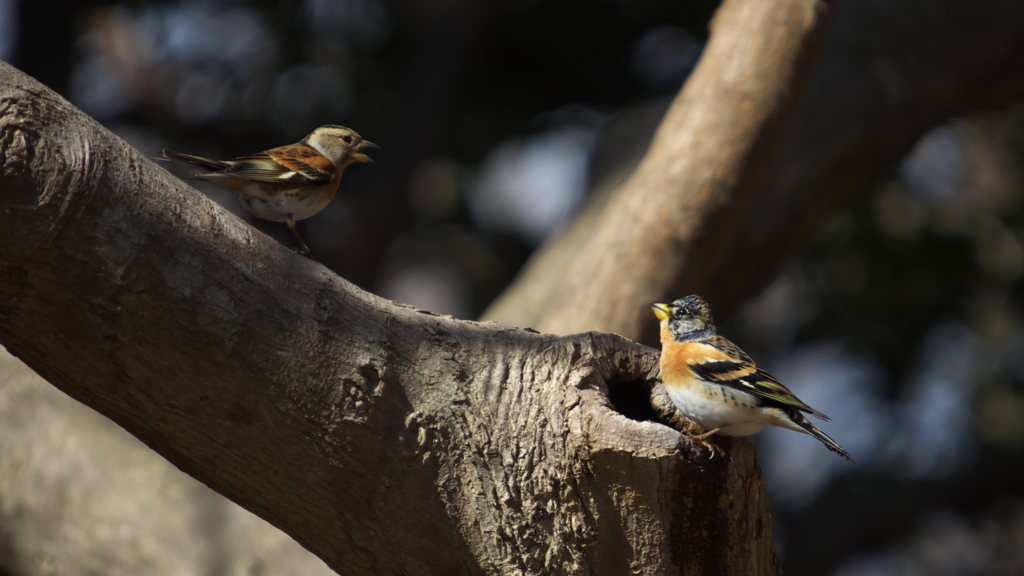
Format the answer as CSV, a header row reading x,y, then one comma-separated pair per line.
x,y
304,249
708,434
702,439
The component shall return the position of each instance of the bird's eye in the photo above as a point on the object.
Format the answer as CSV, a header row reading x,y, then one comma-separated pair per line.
x,y
347,139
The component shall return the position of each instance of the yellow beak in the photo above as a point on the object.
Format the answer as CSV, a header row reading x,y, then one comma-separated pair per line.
x,y
661,311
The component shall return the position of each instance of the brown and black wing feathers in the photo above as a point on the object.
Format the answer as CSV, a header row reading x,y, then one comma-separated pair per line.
x,y
297,163
732,367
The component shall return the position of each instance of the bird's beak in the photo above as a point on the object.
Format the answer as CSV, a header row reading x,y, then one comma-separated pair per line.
x,y
661,311
359,156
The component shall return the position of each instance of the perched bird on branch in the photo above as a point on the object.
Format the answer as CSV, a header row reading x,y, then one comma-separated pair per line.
x,y
289,183
718,386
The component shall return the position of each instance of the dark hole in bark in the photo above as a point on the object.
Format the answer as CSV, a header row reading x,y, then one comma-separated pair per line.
x,y
632,399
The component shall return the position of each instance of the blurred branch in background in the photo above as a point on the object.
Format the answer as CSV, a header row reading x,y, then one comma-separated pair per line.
x,y
925,62
866,106
712,152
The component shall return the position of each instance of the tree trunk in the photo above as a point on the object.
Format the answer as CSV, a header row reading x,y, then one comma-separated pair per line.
x,y
385,439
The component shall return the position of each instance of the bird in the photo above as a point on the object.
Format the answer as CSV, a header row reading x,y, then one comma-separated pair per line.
x,y
287,183
717,385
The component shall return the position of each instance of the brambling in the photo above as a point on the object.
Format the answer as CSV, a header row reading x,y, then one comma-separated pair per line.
x,y
288,183
718,386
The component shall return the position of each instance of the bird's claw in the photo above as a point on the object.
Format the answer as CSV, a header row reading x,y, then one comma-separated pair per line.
x,y
710,447
305,253
702,440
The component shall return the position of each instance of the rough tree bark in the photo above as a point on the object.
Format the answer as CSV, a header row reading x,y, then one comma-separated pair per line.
x,y
888,73
384,439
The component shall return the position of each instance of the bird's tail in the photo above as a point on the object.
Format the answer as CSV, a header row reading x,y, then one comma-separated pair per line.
x,y
195,161
829,443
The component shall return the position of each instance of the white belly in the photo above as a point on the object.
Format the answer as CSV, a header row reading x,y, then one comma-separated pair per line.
x,y
278,208
731,410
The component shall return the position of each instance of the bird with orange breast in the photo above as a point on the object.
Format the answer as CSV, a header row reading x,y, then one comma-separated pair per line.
x,y
717,385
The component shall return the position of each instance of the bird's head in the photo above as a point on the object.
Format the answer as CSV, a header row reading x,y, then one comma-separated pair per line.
x,y
689,319
340,144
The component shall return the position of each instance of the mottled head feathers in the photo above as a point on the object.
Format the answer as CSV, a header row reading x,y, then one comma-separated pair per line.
x,y
689,319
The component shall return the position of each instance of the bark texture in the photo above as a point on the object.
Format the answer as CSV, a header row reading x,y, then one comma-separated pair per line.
x,y
888,73
384,439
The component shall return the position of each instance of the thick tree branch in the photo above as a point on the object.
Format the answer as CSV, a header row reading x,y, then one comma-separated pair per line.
x,y
888,73
713,151
384,439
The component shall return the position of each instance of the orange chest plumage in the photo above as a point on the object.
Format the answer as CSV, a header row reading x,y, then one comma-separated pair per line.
x,y
678,358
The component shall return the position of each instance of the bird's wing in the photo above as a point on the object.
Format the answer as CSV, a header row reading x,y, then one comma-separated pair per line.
x,y
296,163
194,161
720,361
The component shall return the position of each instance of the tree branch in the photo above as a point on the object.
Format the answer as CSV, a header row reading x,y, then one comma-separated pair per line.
x,y
714,150
384,439
867,104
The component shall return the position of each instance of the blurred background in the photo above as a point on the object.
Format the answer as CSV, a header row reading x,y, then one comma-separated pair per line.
x,y
901,322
